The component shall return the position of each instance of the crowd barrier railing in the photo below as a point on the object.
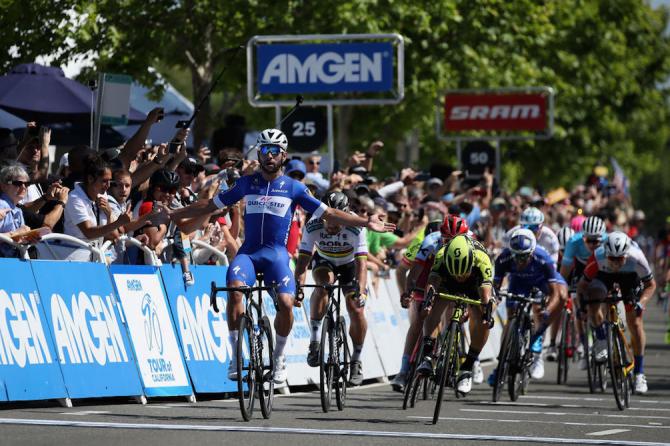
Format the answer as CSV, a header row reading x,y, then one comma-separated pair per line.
x,y
71,330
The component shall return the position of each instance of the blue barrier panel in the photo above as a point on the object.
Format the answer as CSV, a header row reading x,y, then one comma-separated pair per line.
x,y
28,362
159,357
203,333
87,327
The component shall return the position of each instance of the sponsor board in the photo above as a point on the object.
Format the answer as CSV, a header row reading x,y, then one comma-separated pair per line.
x,y
325,67
202,332
159,356
89,337
29,368
496,111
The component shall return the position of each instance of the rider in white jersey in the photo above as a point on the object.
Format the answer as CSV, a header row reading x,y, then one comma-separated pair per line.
x,y
341,254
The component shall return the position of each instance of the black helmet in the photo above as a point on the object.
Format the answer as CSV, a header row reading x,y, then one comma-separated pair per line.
x,y
337,200
164,177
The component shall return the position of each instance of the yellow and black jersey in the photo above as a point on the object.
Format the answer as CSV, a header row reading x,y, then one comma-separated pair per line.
x,y
482,272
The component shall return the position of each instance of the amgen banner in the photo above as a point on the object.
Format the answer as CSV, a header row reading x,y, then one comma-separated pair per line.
x,y
325,67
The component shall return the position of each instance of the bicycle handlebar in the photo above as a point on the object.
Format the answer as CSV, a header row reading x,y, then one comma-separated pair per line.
x,y
243,289
533,299
460,299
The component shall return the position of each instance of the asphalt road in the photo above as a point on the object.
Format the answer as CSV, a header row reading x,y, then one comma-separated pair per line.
x,y
550,413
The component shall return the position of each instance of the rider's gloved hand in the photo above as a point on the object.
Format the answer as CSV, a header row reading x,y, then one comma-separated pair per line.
x,y
299,297
405,299
544,316
359,298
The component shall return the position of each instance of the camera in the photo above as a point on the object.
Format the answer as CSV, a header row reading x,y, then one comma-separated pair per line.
x,y
422,176
182,124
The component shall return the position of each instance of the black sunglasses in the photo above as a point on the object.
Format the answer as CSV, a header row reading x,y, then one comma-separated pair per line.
x,y
315,162
19,183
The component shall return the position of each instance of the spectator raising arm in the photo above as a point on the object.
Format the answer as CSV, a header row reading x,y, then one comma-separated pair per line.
x,y
136,142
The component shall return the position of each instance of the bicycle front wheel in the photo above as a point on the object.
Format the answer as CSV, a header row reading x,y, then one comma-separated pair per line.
x,y
246,368
266,385
326,372
342,368
565,337
518,369
616,368
504,359
447,364
414,380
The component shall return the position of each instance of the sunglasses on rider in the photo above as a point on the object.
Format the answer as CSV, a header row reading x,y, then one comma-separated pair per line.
x,y
614,259
272,149
521,258
592,240
165,189
533,228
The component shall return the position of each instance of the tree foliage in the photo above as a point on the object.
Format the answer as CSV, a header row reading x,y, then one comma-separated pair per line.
x,y
607,60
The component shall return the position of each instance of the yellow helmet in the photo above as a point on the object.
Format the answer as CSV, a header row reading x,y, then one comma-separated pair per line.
x,y
459,257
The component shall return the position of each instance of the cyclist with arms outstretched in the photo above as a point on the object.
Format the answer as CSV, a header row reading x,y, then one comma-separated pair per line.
x,y
270,199
340,251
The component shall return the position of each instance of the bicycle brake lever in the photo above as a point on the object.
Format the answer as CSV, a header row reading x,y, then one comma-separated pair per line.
x,y
212,298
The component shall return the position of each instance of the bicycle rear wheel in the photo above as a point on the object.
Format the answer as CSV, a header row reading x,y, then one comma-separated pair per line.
x,y
266,386
616,368
342,368
413,379
591,371
566,336
446,367
246,368
326,372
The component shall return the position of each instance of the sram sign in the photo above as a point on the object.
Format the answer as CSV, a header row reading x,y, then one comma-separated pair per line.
x,y
503,111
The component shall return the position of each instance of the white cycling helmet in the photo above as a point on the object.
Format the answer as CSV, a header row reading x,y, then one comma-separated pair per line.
x,y
564,235
522,242
617,244
274,137
531,216
593,227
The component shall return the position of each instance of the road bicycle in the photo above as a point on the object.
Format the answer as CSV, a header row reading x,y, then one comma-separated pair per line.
x,y
619,353
567,342
334,353
255,346
515,357
448,362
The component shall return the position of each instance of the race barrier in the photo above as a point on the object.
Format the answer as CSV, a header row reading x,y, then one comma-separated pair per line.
x,y
71,330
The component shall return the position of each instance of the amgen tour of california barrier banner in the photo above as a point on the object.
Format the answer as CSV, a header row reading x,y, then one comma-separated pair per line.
x,y
88,331
159,357
202,332
29,367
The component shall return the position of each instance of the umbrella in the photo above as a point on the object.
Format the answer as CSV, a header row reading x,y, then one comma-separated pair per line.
x,y
43,94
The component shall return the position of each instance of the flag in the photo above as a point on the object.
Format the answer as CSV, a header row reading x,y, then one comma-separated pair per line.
x,y
620,180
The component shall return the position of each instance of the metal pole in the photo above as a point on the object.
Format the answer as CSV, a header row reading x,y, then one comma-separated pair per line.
x,y
498,166
331,138
458,154
98,112
277,116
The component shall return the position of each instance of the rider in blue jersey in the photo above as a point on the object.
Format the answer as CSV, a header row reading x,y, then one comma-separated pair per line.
x,y
529,266
270,199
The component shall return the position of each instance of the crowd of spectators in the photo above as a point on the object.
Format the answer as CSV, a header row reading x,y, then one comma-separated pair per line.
x,y
102,197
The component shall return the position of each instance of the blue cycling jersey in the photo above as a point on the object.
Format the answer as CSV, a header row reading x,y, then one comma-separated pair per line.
x,y
538,273
429,246
576,249
269,207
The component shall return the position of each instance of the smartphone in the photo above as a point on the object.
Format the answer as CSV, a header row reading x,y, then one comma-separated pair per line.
x,y
161,115
182,124
173,147
34,132
422,176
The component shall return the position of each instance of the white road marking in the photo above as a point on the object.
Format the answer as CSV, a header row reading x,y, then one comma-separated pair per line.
x,y
85,412
609,432
564,423
331,432
587,398
566,414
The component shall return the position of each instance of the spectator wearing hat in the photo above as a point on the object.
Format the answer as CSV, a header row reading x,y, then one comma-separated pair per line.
x,y
314,176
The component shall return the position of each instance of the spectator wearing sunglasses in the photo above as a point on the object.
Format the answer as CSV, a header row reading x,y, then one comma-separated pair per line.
x,y
13,184
314,176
